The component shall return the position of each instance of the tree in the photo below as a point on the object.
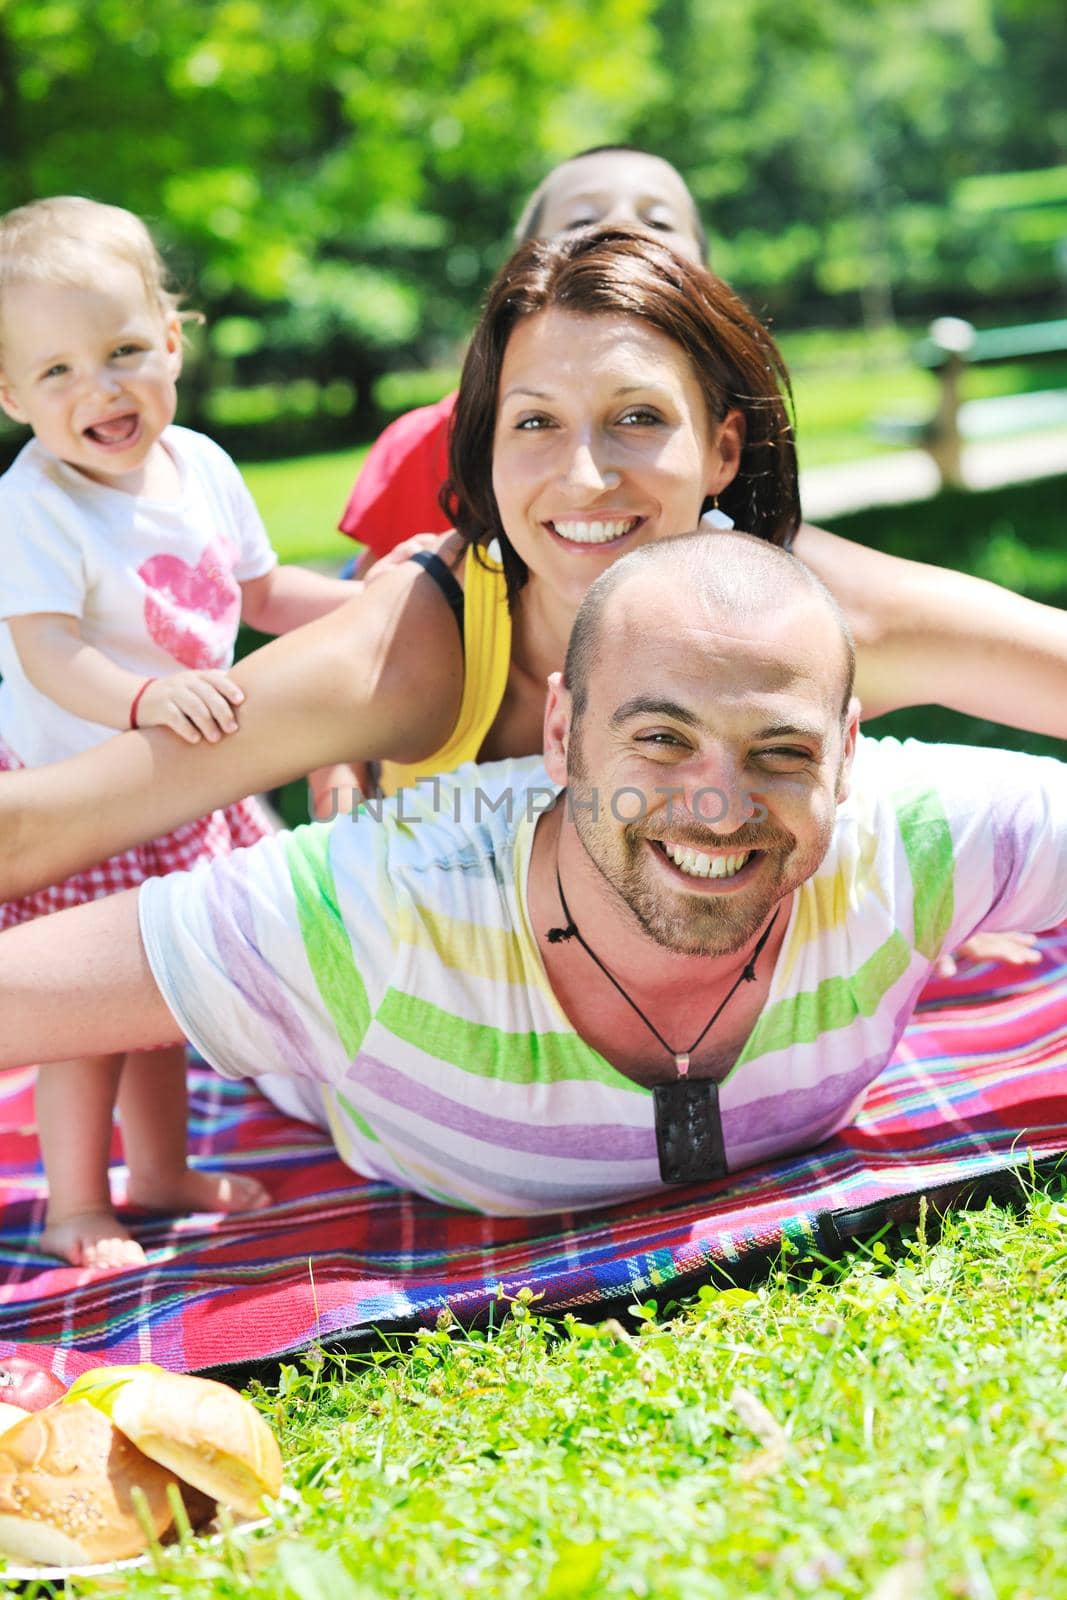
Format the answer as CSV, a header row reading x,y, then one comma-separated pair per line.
x,y
334,180
342,174
826,141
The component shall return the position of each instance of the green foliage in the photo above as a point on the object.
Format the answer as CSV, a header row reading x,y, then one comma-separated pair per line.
x,y
835,154
340,172
1008,191
1012,535
397,392
340,176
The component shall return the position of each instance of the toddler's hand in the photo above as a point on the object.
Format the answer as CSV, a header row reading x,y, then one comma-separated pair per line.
x,y
194,705
1017,949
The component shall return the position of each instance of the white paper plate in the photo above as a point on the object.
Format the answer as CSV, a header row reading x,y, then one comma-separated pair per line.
x,y
212,1534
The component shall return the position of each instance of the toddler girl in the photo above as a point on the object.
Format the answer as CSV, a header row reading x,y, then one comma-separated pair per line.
x,y
130,550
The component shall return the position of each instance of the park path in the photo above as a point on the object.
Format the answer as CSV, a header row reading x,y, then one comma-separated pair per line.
x,y
908,475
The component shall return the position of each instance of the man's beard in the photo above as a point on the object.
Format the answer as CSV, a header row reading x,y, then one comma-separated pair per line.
x,y
700,924
709,924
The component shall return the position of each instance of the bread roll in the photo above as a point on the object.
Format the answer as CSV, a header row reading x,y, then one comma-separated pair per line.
x,y
10,1415
66,1477
201,1431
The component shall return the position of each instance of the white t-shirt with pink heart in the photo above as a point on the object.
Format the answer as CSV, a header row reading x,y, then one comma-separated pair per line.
x,y
155,584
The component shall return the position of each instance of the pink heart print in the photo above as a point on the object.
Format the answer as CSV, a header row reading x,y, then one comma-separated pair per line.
x,y
192,612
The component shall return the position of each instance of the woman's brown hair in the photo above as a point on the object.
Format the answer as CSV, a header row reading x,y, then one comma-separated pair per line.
x,y
619,271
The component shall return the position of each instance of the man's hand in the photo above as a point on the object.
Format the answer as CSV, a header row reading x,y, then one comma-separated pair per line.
x,y
399,554
194,705
337,790
1016,949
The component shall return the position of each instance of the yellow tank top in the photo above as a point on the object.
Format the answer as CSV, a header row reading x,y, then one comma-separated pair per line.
x,y
486,660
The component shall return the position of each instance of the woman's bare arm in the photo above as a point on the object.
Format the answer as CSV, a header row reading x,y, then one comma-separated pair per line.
x,y
381,677
926,635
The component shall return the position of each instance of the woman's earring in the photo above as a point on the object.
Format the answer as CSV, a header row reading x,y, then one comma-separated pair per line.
x,y
715,518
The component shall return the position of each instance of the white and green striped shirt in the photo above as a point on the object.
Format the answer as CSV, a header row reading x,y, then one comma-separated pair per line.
x,y
386,966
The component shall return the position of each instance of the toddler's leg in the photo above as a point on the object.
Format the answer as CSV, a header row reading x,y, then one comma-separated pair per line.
x,y
153,1111
75,1101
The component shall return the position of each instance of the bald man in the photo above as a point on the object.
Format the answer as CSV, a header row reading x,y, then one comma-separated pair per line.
x,y
684,942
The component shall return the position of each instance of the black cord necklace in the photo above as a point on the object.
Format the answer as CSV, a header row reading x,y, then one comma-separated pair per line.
x,y
689,1135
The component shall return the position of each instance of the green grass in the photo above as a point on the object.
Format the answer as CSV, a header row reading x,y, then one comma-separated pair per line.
x,y
895,1419
1011,536
301,501
841,377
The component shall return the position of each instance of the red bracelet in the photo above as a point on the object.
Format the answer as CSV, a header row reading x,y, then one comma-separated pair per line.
x,y
136,701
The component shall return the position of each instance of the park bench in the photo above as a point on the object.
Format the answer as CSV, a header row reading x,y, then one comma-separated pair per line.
x,y
950,347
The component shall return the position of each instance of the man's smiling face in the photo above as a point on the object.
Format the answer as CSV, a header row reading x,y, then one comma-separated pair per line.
x,y
707,765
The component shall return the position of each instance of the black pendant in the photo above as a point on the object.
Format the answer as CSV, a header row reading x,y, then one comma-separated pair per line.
x,y
689,1131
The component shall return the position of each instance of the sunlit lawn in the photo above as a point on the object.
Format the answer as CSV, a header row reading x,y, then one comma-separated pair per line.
x,y
301,500
894,1427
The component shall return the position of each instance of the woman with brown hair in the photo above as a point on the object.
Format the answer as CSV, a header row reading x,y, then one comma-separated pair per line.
x,y
612,393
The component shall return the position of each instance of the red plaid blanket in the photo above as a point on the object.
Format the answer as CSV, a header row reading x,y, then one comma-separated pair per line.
x,y
978,1086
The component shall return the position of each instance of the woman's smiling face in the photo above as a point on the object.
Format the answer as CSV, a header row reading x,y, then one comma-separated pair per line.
x,y
603,442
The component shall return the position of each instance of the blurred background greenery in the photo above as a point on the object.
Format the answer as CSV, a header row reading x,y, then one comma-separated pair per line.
x,y
334,181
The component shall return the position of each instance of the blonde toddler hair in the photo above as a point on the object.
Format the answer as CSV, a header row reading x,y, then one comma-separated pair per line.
x,y
63,240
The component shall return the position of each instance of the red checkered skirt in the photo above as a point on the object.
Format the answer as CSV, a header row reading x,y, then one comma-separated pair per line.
x,y
217,834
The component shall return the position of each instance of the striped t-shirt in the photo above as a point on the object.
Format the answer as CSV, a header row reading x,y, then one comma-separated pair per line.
x,y
385,964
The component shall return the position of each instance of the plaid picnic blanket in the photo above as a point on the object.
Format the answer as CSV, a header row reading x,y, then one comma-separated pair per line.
x,y
978,1088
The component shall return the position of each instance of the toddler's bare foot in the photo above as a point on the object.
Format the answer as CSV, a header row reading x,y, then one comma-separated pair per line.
x,y
91,1239
197,1191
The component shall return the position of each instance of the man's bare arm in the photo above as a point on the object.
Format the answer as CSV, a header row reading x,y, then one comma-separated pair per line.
x,y
78,984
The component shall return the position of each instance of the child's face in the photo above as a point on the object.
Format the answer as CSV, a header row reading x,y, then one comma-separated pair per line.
x,y
92,370
627,187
